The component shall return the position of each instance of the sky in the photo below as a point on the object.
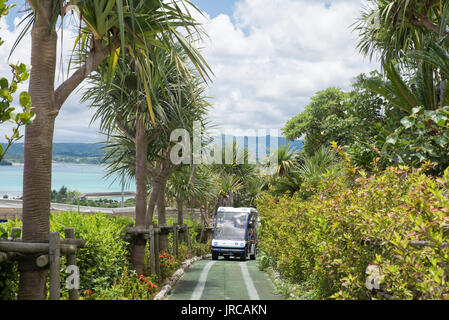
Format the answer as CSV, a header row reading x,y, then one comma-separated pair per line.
x,y
269,58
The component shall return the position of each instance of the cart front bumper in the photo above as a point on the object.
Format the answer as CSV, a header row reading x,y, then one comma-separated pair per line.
x,y
228,250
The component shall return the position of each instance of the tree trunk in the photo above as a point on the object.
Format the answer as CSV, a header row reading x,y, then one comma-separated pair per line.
x,y
38,150
152,204
180,210
138,250
161,216
179,205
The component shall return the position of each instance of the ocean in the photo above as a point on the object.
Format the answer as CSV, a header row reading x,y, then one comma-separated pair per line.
x,y
85,178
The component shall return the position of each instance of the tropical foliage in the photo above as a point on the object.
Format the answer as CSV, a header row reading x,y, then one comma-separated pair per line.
x,y
349,224
377,214
8,113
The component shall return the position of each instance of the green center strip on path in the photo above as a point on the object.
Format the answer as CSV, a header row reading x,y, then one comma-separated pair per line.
x,y
224,280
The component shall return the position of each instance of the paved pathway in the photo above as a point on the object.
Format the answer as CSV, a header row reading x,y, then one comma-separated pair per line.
x,y
224,280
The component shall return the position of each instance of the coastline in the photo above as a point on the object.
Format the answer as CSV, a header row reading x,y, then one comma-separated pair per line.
x,y
85,178
21,164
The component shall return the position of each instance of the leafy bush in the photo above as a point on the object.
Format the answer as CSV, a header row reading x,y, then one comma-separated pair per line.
x,y
168,264
9,276
130,286
103,260
106,253
349,224
422,136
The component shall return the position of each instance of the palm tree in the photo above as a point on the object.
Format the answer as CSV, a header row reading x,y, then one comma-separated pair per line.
x,y
121,104
309,172
312,168
427,87
399,94
286,159
289,184
183,188
393,27
106,27
179,101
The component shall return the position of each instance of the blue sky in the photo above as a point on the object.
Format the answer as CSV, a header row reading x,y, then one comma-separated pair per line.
x,y
212,7
269,58
215,7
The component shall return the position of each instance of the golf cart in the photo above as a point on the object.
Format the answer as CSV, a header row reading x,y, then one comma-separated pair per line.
x,y
235,233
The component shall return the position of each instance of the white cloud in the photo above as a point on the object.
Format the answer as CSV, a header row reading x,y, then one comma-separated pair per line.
x,y
72,123
268,60
276,55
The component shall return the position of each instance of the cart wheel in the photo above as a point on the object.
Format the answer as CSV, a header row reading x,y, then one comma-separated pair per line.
x,y
253,256
214,255
243,256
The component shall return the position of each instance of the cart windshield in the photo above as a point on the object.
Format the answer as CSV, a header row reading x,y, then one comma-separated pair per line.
x,y
231,226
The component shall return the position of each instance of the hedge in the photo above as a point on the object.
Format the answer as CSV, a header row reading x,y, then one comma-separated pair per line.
x,y
348,224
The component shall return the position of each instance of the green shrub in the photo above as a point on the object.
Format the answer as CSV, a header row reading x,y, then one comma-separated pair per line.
x,y
130,286
106,253
104,262
101,262
347,225
9,276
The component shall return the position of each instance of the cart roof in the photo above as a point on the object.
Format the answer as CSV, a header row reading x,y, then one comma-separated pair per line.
x,y
231,209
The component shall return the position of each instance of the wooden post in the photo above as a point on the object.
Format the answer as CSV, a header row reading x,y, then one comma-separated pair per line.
x,y
54,255
156,252
189,241
71,261
182,234
153,253
202,235
175,239
42,261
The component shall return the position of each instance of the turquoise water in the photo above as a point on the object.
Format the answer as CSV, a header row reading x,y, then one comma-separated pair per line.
x,y
84,178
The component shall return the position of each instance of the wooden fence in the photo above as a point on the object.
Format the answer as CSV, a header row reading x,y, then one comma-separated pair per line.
x,y
50,251
49,254
153,233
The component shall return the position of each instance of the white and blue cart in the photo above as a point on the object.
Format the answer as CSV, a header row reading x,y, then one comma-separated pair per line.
x,y
235,233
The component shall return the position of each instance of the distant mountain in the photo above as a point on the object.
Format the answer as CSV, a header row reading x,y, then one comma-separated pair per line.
x,y
65,149
261,145
92,152
83,153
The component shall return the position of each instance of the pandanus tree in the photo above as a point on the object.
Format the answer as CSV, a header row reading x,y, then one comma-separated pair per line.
x,y
121,104
105,27
183,188
393,27
286,159
178,102
420,91
234,172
